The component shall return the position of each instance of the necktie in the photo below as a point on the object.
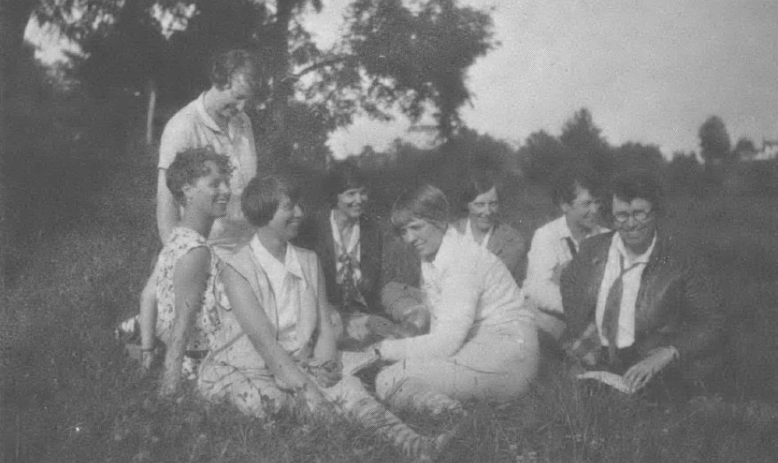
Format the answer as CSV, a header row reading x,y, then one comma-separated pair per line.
x,y
571,245
610,317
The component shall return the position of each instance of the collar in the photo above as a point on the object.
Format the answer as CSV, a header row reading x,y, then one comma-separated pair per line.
x,y
338,237
291,260
448,248
469,234
203,113
618,244
563,231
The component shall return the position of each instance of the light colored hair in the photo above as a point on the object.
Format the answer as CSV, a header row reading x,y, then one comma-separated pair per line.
x,y
425,202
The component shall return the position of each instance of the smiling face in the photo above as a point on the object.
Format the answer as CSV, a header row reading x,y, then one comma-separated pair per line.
x,y
286,221
483,210
209,193
424,236
351,203
231,100
635,222
581,212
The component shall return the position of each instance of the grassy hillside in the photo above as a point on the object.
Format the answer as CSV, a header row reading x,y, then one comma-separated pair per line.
x,y
70,395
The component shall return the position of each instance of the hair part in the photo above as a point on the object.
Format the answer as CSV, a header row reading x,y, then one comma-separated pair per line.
x,y
344,176
567,180
228,65
638,184
262,196
425,202
189,165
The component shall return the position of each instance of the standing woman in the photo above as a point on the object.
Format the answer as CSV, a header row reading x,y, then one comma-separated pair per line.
x,y
481,343
274,344
198,179
481,200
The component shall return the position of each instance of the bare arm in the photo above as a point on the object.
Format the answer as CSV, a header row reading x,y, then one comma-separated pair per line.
x,y
189,279
167,208
257,327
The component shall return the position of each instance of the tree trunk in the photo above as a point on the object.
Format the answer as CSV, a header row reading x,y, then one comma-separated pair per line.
x,y
151,91
14,16
279,144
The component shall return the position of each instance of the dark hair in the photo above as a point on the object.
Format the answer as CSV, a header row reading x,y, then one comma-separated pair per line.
x,y
566,180
189,165
477,185
343,176
230,63
425,202
262,196
633,184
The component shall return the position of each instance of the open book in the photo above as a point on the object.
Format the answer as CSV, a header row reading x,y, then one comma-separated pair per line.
x,y
611,379
354,362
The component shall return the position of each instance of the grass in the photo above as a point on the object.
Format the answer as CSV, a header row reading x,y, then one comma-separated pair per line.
x,y
69,394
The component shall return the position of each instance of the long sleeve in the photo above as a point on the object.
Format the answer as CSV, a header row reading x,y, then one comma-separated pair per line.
x,y
454,315
542,260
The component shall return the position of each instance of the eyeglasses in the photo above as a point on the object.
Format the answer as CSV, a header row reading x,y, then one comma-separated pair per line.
x,y
640,216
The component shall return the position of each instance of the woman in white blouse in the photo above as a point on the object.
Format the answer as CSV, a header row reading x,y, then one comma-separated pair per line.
x,y
481,343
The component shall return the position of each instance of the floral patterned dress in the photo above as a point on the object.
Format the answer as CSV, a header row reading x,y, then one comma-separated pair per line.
x,y
183,240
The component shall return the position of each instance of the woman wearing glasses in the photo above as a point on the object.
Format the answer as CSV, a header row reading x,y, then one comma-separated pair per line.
x,y
650,303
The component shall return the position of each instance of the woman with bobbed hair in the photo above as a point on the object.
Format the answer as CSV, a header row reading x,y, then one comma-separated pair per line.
x,y
481,200
481,343
273,345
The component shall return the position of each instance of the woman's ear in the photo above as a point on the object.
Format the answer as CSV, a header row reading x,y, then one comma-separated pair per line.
x,y
188,191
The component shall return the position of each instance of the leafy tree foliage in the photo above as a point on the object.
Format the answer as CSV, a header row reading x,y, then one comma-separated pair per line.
x,y
743,148
417,58
541,155
393,56
715,145
632,155
584,141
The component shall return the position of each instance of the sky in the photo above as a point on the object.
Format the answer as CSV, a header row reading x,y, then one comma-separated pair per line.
x,y
650,71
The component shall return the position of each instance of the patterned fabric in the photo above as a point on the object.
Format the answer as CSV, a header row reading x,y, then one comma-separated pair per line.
x,y
183,240
320,238
234,370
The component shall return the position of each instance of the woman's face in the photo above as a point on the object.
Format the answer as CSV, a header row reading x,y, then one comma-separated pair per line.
x,y
351,203
483,210
286,221
424,236
209,193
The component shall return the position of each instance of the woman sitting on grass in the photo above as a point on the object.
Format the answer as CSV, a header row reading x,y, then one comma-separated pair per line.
x,y
199,181
274,345
349,245
481,200
481,343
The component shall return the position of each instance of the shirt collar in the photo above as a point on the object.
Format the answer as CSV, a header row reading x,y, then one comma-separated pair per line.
x,y
354,239
563,231
203,113
291,260
469,234
618,244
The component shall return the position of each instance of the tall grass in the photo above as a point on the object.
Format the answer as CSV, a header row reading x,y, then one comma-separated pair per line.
x,y
70,394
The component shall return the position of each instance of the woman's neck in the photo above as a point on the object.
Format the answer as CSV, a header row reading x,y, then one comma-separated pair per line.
x,y
478,234
343,220
274,244
198,222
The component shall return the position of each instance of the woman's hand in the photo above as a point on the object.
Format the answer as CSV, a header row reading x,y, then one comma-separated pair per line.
x,y
645,370
327,373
